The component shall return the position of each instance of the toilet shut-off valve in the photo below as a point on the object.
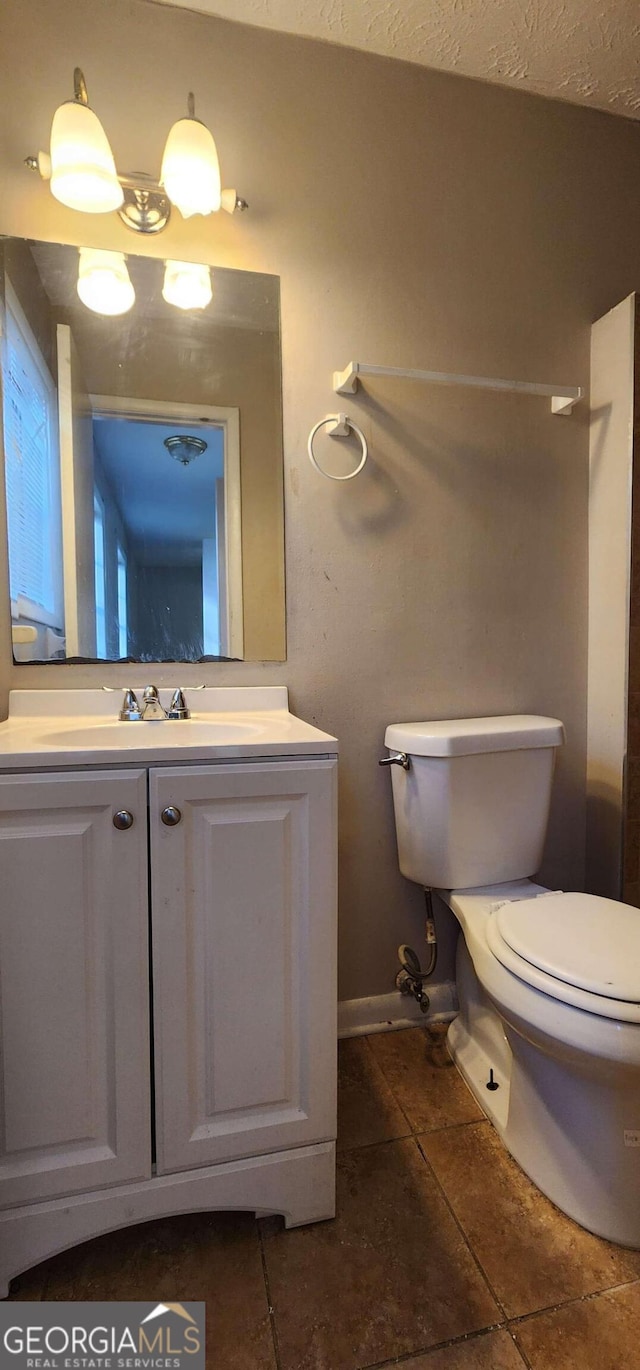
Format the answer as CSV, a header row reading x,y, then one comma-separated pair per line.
x,y
411,976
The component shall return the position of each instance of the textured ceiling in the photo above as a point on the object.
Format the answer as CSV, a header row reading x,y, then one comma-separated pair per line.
x,y
584,51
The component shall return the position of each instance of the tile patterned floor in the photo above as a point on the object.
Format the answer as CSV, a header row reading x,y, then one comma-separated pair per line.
x,y
443,1256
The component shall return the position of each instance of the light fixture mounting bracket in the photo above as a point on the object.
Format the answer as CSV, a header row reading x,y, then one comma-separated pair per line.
x,y
146,208
80,87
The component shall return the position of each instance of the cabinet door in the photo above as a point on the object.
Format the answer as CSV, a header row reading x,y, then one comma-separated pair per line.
x,y
74,1005
243,931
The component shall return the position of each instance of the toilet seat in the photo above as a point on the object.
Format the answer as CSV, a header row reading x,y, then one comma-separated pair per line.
x,y
581,949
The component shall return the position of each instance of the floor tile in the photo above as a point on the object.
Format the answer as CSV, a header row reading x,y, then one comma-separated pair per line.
x,y
215,1257
596,1334
367,1110
30,1286
390,1276
424,1079
489,1351
532,1254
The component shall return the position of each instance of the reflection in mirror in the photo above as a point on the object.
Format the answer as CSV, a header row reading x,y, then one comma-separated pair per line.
x,y
142,466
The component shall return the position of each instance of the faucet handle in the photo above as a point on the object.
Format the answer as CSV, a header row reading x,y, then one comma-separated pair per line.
x,y
178,707
130,711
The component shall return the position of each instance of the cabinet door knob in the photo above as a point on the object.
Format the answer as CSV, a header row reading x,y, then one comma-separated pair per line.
x,y
170,816
123,820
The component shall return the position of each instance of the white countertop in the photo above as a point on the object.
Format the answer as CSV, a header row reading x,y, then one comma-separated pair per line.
x,y
50,728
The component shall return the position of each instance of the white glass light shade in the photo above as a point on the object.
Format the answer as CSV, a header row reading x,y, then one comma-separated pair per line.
x,y
83,172
187,285
104,284
190,170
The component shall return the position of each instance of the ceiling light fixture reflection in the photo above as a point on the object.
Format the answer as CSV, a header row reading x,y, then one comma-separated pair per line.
x,y
185,448
104,284
187,285
83,172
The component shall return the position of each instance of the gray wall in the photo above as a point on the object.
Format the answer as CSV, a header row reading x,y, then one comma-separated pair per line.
x,y
416,219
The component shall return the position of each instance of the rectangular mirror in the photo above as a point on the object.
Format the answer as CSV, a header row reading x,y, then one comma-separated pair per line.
x,y
142,462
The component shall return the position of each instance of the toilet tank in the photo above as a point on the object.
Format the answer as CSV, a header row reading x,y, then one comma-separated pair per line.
x,y
472,808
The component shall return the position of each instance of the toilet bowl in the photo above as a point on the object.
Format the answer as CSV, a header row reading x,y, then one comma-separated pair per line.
x,y
548,1031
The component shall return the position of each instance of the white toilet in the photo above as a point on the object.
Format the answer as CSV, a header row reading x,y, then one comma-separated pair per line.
x,y
548,983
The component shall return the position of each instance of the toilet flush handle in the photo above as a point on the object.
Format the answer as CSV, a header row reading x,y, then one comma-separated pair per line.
x,y
397,759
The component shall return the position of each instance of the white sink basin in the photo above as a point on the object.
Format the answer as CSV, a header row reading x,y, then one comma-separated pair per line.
x,y
81,727
191,732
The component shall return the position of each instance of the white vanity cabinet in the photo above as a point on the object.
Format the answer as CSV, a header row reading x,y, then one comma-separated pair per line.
x,y
74,984
243,959
233,1006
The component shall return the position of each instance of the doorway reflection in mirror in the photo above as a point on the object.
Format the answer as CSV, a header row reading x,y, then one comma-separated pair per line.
x,y
143,467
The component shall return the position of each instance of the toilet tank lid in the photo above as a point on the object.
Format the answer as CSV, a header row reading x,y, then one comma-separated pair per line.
x,y
466,736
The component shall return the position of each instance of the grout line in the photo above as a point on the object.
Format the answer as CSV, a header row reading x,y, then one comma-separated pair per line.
x,y
462,1232
414,1136
367,1146
460,1340
450,1064
450,1127
409,1136
272,1316
519,1318
388,1084
508,1325
520,1351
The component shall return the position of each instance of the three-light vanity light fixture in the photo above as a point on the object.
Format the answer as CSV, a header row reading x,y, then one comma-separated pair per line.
x,y
81,172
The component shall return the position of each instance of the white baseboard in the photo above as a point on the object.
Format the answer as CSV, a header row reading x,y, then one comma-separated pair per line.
x,y
388,1012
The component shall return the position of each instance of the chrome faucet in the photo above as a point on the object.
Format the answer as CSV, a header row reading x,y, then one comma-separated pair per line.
x,y
151,708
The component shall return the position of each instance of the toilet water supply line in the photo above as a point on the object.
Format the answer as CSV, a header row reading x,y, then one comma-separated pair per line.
x,y
410,978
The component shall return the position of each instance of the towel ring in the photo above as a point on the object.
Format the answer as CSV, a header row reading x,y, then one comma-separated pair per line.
x,y
342,426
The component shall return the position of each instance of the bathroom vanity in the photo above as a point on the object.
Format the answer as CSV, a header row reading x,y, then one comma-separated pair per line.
x,y
168,996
